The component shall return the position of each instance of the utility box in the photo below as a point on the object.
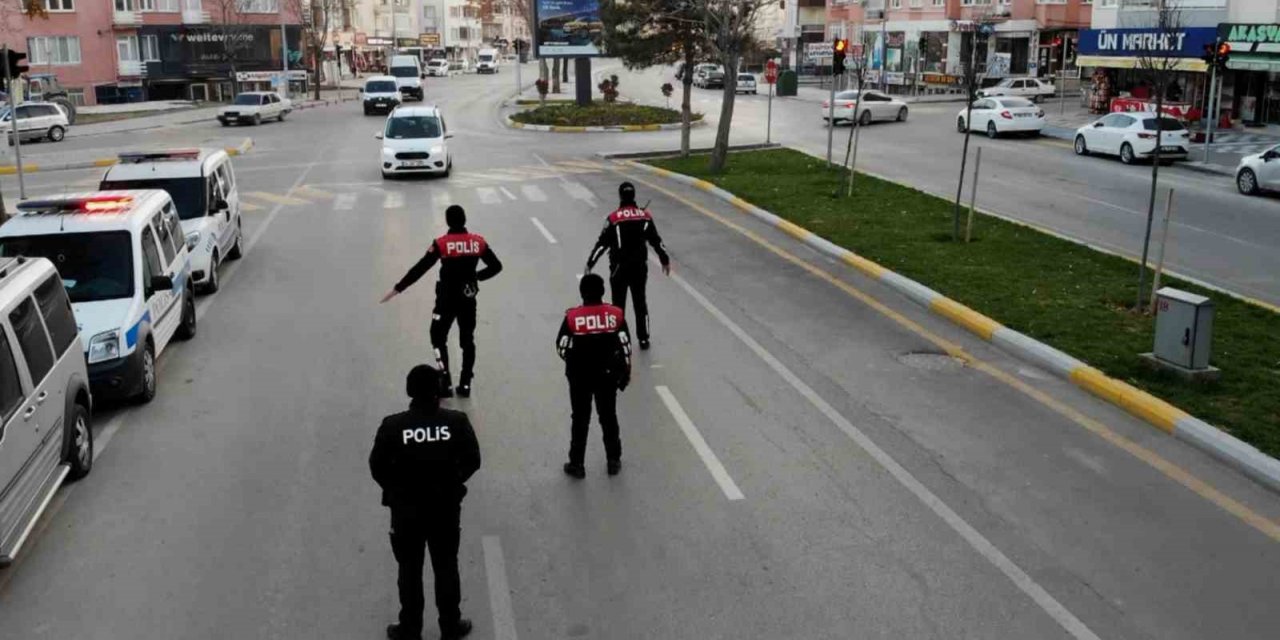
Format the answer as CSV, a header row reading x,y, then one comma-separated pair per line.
x,y
1184,334
788,83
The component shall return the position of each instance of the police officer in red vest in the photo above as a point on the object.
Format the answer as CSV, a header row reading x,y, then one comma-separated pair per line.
x,y
596,350
626,232
459,252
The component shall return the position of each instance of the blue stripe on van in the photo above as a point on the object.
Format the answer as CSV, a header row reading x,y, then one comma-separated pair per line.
x,y
131,336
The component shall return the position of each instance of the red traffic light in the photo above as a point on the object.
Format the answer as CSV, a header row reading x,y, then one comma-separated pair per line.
x,y
1057,41
1224,49
841,45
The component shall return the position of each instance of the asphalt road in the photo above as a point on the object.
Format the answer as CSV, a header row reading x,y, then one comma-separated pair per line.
x,y
801,460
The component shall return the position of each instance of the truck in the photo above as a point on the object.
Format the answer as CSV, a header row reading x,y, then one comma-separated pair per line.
x,y
44,87
487,61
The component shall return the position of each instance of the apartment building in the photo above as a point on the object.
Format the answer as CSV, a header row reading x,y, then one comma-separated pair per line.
x,y
502,24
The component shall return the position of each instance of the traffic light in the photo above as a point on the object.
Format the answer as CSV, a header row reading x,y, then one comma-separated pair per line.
x,y
1224,54
1209,54
15,64
1057,41
838,51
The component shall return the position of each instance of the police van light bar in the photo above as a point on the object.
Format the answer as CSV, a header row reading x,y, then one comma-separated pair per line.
x,y
169,154
92,204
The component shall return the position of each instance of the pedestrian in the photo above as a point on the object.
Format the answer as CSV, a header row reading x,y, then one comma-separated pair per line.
x,y
626,232
459,252
596,349
422,459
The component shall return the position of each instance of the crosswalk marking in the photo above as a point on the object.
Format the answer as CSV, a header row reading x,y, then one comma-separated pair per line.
x,y
579,192
488,195
276,198
393,200
441,199
345,202
308,191
533,193
507,193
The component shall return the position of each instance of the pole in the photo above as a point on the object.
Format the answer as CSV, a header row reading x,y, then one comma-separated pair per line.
x,y
284,55
831,110
970,78
13,120
768,127
1062,96
884,56
582,80
1164,239
973,195
1212,115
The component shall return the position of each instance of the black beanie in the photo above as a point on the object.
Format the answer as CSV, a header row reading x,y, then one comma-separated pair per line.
x,y
455,216
627,193
423,383
591,288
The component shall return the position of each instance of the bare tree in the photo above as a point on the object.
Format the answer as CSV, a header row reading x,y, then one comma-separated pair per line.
x,y
230,26
858,64
729,26
969,66
316,17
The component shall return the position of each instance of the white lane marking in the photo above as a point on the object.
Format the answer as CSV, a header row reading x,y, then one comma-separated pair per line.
x,y
441,199
507,193
579,192
393,200
108,432
984,547
546,234
495,568
488,195
345,202
708,456
532,193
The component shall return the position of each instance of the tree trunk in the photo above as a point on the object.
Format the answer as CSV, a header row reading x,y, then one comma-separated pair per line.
x,y
543,71
1141,306
686,107
720,153
564,70
315,67
555,75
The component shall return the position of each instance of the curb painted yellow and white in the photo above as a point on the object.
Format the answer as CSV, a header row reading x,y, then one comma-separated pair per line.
x,y
1153,410
10,169
622,128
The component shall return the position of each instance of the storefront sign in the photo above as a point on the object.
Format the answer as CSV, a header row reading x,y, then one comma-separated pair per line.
x,y
937,78
895,77
406,42
361,38
429,39
568,28
375,41
194,51
1250,34
814,51
269,76
1178,43
1177,110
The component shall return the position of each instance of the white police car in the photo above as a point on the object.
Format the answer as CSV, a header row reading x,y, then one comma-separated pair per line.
x,y
202,185
125,266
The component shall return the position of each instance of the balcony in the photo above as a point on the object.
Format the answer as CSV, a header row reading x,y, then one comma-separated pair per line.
x,y
126,19
131,69
195,16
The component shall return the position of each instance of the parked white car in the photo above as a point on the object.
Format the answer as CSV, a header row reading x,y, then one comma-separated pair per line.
x,y
438,68
1132,136
414,142
1031,88
874,106
1259,172
746,83
37,121
1001,115
254,107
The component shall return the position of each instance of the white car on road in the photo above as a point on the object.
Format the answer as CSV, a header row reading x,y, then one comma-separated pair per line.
x,y
746,83
1259,172
36,121
438,68
1132,136
254,107
414,142
1001,115
874,106
1030,88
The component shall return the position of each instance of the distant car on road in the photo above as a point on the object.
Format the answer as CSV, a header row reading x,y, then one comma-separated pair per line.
x,y
254,107
746,83
1259,172
1031,88
414,141
708,75
875,106
1133,136
380,94
37,121
438,68
1001,115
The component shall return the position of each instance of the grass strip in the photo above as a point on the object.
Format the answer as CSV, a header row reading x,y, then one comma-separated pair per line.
x,y
1056,291
599,114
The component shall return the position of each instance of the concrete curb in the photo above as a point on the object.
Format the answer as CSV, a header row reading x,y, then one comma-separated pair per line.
x,y
1156,412
625,128
636,155
10,169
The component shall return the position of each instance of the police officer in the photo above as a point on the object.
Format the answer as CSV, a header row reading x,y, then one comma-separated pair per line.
x,y
421,458
626,231
458,251
596,350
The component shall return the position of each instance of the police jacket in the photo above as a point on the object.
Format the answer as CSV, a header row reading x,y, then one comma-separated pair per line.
x,y
626,231
458,253
593,341
422,457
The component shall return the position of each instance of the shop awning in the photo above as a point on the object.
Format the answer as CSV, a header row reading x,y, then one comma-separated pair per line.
x,y
1127,62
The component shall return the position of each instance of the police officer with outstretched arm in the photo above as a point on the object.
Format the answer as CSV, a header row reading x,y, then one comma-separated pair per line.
x,y
458,252
421,458
626,232
596,350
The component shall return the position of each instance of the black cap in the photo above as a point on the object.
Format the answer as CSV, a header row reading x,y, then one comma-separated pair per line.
x,y
455,216
627,193
591,288
423,383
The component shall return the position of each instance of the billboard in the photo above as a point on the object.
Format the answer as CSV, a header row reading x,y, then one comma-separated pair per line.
x,y
568,28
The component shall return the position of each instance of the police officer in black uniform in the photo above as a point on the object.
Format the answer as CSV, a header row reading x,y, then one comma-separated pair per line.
x,y
596,350
458,252
421,458
626,231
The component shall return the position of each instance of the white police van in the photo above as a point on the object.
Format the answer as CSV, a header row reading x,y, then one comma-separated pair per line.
x,y
202,185
125,266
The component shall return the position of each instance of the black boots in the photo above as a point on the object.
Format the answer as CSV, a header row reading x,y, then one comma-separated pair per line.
x,y
459,630
575,470
614,467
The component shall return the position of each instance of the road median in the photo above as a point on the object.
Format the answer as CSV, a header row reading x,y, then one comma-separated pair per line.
x,y
1063,306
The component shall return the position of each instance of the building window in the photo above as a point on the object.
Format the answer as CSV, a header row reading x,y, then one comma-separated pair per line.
x,y
127,48
973,3
1048,1
453,12
257,6
54,50
454,34
939,3
168,6
59,5
150,48
1110,4
76,96
916,4
126,5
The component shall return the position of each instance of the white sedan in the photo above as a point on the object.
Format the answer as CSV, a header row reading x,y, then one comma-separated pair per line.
x,y
1259,172
874,106
254,107
1001,115
1031,88
1132,136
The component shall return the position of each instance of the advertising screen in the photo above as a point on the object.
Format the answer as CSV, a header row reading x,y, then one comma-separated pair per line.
x,y
569,28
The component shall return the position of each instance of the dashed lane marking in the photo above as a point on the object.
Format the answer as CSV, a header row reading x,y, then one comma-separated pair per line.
x,y
718,472
495,568
532,193
545,233
489,195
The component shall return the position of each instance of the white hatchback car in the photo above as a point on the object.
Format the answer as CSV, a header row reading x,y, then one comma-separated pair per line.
x,y
874,106
254,107
37,121
1259,172
414,142
746,83
1001,115
1132,136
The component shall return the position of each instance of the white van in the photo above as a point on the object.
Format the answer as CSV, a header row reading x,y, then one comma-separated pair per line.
x,y
409,76
380,93
202,185
45,436
126,269
487,61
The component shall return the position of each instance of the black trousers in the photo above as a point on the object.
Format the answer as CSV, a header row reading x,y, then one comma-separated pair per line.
x,y
447,310
439,531
632,278
604,392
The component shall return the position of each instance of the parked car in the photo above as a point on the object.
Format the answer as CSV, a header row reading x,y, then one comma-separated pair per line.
x,y
708,75
1259,172
1001,115
254,107
414,141
438,67
746,83
1133,136
874,106
1031,88
37,121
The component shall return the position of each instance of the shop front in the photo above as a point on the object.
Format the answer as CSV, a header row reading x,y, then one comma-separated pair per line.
x,y
1120,68
194,64
1251,84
